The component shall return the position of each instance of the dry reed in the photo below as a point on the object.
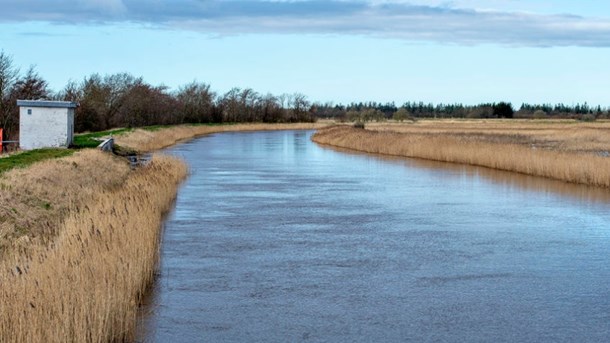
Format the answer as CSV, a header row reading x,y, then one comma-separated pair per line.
x,y
506,152
558,135
85,285
79,238
146,140
32,200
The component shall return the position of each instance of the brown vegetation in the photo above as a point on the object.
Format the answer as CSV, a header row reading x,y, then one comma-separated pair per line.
x,y
147,140
79,238
559,150
75,269
557,135
33,200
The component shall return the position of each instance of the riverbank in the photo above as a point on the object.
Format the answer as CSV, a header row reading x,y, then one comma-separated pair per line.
x,y
561,150
84,246
151,139
79,236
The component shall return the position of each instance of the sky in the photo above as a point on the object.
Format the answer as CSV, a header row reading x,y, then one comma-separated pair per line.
x,y
339,51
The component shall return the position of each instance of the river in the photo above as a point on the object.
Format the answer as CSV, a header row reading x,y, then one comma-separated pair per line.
x,y
276,239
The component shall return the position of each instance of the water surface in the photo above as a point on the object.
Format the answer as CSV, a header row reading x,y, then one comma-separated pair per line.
x,y
277,239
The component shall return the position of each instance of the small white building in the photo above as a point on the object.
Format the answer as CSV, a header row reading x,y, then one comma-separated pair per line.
x,y
45,124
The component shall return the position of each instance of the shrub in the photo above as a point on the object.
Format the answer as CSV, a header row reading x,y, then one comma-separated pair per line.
x,y
540,114
359,125
503,110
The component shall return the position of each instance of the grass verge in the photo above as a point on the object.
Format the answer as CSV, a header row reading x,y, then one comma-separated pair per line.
x,y
92,140
27,158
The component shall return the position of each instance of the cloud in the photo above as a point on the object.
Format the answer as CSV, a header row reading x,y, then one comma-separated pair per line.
x,y
391,19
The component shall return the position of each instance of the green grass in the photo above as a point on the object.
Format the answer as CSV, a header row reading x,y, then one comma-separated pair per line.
x,y
91,140
81,141
27,158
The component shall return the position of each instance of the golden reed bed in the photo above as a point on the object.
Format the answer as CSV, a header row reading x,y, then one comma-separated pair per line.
x,y
79,238
562,151
78,272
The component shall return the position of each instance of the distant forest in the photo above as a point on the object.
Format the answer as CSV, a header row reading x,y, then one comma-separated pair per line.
x,y
123,100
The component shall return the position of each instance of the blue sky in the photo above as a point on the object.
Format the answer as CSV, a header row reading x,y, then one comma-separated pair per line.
x,y
467,51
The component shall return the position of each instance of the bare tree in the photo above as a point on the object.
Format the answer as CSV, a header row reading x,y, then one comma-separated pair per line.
x,y
147,105
30,87
8,78
249,100
71,92
231,105
272,111
196,103
300,108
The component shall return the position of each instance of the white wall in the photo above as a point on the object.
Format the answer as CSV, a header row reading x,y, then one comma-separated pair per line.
x,y
45,127
70,123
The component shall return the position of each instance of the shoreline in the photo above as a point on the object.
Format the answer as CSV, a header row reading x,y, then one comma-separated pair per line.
x,y
81,273
83,282
578,168
75,269
150,140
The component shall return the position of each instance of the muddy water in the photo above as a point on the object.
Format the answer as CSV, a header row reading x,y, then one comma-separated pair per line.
x,y
276,239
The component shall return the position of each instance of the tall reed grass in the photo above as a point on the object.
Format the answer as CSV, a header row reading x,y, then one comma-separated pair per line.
x,y
560,135
79,238
501,154
84,285
33,200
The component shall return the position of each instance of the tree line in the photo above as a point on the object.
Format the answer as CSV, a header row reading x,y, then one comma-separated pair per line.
x,y
373,111
123,100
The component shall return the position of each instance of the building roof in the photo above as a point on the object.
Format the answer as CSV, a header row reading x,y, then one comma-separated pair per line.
x,y
46,103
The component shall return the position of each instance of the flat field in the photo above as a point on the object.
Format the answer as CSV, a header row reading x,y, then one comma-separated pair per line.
x,y
556,135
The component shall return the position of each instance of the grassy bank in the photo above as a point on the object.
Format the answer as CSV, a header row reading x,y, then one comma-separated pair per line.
x,y
563,151
34,200
79,235
93,139
147,139
25,159
80,246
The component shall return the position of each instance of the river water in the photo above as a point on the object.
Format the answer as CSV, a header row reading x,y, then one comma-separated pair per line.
x,y
276,239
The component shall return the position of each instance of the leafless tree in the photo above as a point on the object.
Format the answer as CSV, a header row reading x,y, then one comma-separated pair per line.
x,y
8,78
196,103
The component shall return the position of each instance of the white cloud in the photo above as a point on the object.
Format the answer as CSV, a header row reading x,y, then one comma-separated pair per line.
x,y
107,6
458,22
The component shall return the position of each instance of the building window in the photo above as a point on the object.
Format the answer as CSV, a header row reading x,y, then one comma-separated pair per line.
x,y
29,111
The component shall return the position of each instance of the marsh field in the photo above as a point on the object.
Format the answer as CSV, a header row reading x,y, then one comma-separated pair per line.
x,y
565,150
283,233
557,135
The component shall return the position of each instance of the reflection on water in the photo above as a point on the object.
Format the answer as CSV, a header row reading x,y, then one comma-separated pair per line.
x,y
584,194
274,238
